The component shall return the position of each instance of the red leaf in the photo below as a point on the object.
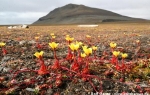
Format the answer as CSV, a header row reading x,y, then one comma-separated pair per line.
x,y
42,70
85,70
75,66
56,65
4,51
69,56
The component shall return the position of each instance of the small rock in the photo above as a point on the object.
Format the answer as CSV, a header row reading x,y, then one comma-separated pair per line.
x,y
22,42
49,91
6,69
1,68
143,85
31,42
103,47
5,59
30,89
76,90
24,48
11,42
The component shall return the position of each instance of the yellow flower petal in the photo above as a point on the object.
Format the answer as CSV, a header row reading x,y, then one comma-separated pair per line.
x,y
39,54
137,41
53,45
84,47
52,34
69,38
36,38
88,36
80,43
74,46
124,55
94,48
71,46
67,35
116,53
2,44
83,55
86,50
53,37
113,45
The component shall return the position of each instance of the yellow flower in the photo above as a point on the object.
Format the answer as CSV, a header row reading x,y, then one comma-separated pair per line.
x,y
53,37
74,46
52,34
80,43
94,48
113,45
2,44
83,55
88,36
86,50
84,47
39,54
38,33
67,35
69,38
137,41
124,55
53,45
116,53
36,38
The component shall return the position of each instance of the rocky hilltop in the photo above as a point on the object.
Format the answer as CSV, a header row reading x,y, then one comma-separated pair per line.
x,y
80,14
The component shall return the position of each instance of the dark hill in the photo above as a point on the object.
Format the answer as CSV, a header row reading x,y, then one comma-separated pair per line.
x,y
80,14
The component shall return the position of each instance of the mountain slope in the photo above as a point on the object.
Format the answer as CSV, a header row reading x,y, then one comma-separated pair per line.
x,y
80,14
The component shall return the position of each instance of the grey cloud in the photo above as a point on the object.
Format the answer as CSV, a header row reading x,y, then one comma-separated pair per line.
x,y
20,18
138,13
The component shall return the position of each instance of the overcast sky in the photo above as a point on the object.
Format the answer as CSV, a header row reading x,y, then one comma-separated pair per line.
x,y
28,11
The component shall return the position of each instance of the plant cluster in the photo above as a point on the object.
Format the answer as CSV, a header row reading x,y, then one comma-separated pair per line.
x,y
78,65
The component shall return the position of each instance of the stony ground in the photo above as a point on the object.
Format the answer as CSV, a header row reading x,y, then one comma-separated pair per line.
x,y
21,46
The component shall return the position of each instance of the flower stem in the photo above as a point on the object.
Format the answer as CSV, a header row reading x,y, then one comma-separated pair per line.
x,y
55,54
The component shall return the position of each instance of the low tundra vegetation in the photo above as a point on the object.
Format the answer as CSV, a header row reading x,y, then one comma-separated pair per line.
x,y
60,63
